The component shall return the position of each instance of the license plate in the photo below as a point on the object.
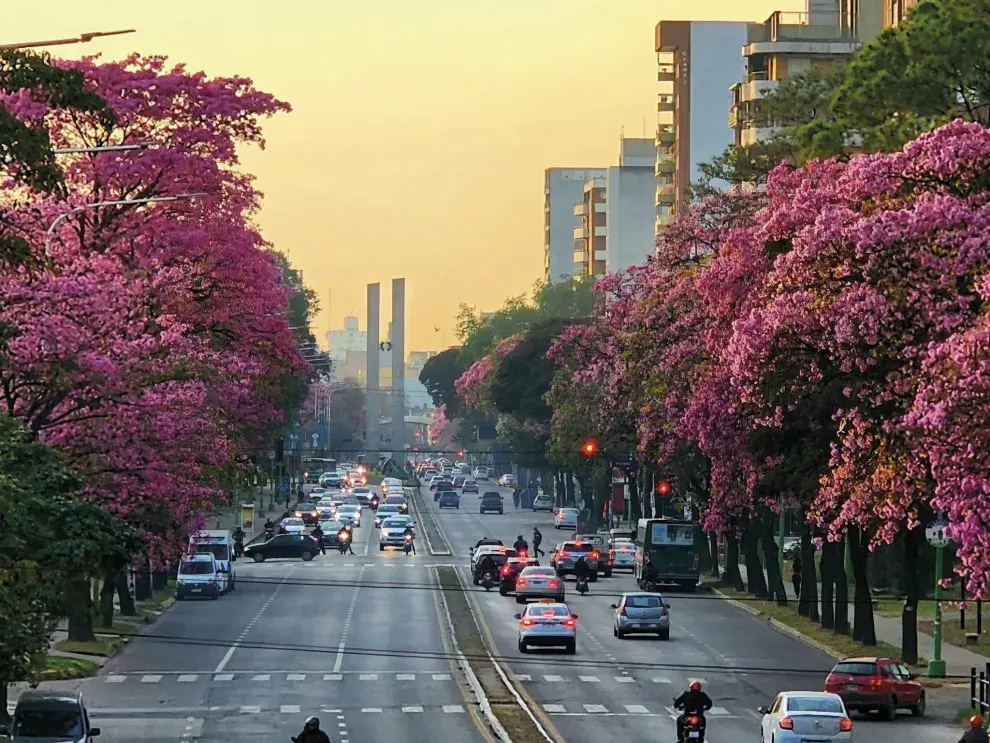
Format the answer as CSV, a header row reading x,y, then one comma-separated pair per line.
x,y
637,625
852,688
694,734
196,590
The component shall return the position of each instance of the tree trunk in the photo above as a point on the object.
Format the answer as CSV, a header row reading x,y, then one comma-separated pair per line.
x,y
754,570
159,578
731,576
713,550
107,590
569,497
142,583
635,509
808,603
701,548
775,580
841,581
646,499
127,607
912,593
5,718
830,555
863,628
80,610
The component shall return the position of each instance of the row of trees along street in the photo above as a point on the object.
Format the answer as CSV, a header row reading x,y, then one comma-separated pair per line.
x,y
149,350
820,342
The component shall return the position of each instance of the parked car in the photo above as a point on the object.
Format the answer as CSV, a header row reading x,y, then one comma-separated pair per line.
x,y
566,518
876,684
543,502
507,481
200,576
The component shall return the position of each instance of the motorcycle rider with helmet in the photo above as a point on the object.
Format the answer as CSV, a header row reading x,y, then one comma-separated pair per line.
x,y
311,733
976,733
693,702
520,546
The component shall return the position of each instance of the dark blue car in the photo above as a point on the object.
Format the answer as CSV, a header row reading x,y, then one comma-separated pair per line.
x,y
449,499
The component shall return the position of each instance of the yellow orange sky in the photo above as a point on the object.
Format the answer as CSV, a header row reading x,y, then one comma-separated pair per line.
x,y
421,128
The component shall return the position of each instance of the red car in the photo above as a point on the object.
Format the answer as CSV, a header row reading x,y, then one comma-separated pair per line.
x,y
879,684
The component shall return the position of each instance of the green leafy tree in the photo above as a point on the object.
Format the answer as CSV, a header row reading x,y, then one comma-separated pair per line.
x,y
347,409
438,376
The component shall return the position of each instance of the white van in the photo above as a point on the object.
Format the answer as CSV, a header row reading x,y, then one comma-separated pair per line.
x,y
220,544
200,576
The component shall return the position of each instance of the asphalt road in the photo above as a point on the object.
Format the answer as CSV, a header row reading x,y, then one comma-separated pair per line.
x,y
353,639
623,689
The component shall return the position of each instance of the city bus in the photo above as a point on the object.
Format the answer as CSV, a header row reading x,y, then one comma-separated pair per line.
x,y
665,553
314,467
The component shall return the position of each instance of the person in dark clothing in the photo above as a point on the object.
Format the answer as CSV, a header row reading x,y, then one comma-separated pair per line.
x,y
693,702
581,569
976,733
487,565
311,733
411,533
520,545
317,534
344,538
796,569
537,541
515,496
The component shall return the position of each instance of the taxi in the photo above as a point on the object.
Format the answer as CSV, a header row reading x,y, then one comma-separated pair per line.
x,y
547,623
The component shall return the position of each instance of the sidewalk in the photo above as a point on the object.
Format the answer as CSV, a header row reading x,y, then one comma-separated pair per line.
x,y
230,519
958,660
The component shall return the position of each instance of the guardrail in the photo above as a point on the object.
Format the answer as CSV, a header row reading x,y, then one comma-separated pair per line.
x,y
979,690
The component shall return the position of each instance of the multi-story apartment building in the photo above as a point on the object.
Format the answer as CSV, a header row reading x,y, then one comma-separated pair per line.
x,y
788,44
616,213
697,63
561,188
894,11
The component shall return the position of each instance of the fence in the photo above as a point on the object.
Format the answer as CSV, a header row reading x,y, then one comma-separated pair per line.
x,y
979,690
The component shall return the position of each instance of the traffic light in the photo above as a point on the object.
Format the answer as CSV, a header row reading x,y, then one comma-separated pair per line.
x,y
589,448
663,487
415,448
460,452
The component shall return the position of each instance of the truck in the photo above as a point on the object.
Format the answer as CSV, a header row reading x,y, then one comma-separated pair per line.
x,y
665,554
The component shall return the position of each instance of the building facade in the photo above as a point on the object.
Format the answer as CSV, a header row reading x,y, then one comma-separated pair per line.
x,y
894,11
697,64
561,188
789,44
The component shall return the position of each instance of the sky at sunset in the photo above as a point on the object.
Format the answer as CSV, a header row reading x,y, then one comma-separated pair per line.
x,y
420,130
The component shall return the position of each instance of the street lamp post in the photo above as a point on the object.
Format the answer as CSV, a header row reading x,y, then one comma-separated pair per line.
x,y
118,202
80,39
939,539
780,538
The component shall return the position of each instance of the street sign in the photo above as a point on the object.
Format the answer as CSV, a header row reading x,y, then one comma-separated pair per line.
x,y
937,533
271,455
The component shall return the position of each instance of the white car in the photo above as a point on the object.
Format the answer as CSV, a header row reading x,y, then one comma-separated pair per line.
x,y
547,623
200,576
292,526
566,518
351,512
543,502
798,716
391,483
386,511
507,481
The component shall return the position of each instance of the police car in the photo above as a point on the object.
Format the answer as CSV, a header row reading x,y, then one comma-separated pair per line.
x,y
547,623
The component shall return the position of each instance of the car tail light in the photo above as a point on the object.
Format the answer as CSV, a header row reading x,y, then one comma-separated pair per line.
x,y
522,583
786,723
623,612
875,683
570,622
563,554
528,622
505,570
845,725
692,721
593,554
554,583
663,612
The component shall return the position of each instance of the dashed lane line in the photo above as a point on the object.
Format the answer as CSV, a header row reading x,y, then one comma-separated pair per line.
x,y
347,624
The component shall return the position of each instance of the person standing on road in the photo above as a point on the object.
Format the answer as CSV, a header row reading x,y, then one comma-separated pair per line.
x,y
515,496
796,569
537,541
317,534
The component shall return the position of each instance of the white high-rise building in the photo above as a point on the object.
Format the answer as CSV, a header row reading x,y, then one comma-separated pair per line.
x,y
562,187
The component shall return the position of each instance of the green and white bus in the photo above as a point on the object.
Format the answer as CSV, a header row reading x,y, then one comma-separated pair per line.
x,y
665,554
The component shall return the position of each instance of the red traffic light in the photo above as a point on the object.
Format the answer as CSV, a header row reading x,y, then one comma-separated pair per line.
x,y
460,452
589,448
663,487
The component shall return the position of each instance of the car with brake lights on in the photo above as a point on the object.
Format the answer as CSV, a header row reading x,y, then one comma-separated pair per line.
x,y
393,533
390,484
492,501
349,512
469,486
876,684
398,500
291,546
621,556
499,554
449,499
536,582
365,497
441,483
641,614
800,716
508,573
566,518
459,481
307,512
566,556
547,623
291,526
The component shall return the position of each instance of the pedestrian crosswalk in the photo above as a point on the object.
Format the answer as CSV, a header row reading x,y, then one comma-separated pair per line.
x,y
329,562
574,709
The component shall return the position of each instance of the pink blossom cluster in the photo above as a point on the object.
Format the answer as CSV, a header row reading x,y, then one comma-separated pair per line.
x,y
150,343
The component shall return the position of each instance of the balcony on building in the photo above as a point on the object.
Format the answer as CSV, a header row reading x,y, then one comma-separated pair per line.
x,y
666,72
787,32
581,233
666,135
755,86
751,133
666,193
666,102
580,209
601,207
594,183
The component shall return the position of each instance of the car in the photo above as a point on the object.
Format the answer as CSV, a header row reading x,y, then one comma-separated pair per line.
x,y
330,480
365,499
49,714
492,501
508,573
330,529
641,613
536,582
449,499
621,556
459,481
469,486
481,474
547,623
879,684
566,518
384,512
500,556
356,477
350,512
325,510
393,533
543,502
566,556
307,512
429,475
291,526
289,546
441,483
391,483
398,500
797,716
200,576
507,480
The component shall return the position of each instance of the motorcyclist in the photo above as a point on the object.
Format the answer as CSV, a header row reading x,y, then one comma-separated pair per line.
x,y
976,733
239,541
693,702
311,733
537,541
318,535
344,538
520,545
487,565
581,569
411,534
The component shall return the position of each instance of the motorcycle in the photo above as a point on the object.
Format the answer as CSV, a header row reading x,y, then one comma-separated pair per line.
x,y
407,546
342,540
488,581
269,533
694,729
581,585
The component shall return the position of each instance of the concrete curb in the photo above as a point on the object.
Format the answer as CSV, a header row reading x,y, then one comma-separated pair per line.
x,y
415,495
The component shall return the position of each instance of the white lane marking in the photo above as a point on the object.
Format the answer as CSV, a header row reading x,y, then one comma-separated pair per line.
x,y
405,677
637,709
625,680
554,708
595,708
553,679
452,708
332,677
296,677
523,677
237,643
151,679
289,709
661,680
262,677
250,710
441,677
224,677
416,708
371,709
590,679
368,677
187,678
116,679
339,661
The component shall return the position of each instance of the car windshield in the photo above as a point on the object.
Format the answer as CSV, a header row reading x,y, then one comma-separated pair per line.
x,y
643,602
387,510
856,669
814,704
349,507
394,500
395,524
305,506
331,525
579,547
547,610
360,490
196,567
538,571
625,548
219,551
292,522
56,721
569,512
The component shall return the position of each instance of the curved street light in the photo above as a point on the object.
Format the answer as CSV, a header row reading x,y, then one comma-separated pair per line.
x,y
80,39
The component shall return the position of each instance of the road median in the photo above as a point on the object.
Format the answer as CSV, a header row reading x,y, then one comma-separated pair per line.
x,y
436,542
511,718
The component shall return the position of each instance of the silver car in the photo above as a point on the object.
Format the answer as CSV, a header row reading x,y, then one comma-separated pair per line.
x,y
798,716
538,583
548,623
393,534
622,556
349,511
641,613
565,558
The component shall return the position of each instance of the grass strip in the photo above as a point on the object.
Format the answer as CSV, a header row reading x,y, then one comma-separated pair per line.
x,y
511,716
58,668
426,518
101,646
